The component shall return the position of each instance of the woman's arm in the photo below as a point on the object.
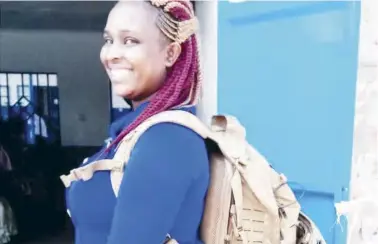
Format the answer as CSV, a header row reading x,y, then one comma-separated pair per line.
x,y
163,165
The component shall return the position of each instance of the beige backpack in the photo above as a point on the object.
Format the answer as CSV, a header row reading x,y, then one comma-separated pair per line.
x,y
248,202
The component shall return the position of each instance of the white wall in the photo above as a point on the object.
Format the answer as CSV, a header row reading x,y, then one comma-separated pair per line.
x,y
83,85
207,13
362,209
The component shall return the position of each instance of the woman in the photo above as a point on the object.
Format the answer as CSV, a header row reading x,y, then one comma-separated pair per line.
x,y
151,56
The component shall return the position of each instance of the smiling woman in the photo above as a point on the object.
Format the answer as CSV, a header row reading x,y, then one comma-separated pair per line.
x,y
150,54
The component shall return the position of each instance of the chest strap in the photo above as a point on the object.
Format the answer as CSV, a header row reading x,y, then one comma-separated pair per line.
x,y
86,172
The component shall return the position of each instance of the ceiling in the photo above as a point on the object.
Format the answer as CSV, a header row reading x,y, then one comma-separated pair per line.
x,y
54,15
62,15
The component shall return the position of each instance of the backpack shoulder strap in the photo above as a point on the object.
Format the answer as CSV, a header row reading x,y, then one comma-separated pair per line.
x,y
127,144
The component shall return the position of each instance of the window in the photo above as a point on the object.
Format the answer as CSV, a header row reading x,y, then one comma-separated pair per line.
x,y
4,96
23,95
34,97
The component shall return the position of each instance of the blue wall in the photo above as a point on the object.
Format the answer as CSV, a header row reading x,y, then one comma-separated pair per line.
x,y
288,71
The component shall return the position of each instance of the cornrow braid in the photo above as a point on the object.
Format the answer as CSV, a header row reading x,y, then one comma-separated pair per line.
x,y
183,81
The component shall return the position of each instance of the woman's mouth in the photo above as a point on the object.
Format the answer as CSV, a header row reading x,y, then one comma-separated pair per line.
x,y
118,74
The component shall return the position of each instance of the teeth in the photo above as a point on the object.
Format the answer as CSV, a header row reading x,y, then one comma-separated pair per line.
x,y
119,72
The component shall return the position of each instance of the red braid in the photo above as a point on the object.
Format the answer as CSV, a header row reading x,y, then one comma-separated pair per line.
x,y
182,82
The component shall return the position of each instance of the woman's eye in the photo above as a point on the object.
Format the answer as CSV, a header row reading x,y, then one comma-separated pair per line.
x,y
108,41
130,41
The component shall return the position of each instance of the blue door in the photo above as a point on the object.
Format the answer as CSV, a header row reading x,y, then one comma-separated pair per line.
x,y
288,71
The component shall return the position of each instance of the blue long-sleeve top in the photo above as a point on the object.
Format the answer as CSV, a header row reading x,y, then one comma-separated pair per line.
x,y
163,190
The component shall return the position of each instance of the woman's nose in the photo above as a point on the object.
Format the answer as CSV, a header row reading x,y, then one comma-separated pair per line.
x,y
114,52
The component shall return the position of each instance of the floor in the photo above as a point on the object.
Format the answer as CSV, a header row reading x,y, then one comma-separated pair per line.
x,y
52,240
65,237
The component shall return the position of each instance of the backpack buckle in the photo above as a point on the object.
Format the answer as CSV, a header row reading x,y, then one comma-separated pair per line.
x,y
117,168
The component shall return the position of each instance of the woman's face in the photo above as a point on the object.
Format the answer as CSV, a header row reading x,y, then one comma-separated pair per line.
x,y
134,54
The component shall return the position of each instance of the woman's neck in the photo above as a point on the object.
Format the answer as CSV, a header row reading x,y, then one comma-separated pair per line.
x,y
136,104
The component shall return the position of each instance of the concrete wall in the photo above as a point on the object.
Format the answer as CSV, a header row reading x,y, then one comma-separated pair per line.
x,y
207,13
83,86
362,209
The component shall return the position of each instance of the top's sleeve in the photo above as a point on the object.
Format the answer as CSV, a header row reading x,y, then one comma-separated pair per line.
x,y
163,165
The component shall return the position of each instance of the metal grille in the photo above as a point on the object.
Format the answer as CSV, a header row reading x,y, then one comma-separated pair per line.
x,y
34,98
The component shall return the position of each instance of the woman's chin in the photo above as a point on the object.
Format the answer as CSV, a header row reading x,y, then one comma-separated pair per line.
x,y
123,91
125,94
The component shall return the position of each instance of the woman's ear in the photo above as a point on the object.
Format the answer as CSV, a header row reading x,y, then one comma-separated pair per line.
x,y
173,51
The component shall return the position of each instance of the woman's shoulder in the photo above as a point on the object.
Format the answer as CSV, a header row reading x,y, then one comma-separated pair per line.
x,y
170,132
175,146
174,135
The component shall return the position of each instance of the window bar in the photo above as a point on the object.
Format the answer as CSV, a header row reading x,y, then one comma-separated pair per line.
x,y
22,86
48,96
31,109
8,97
37,106
1,96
